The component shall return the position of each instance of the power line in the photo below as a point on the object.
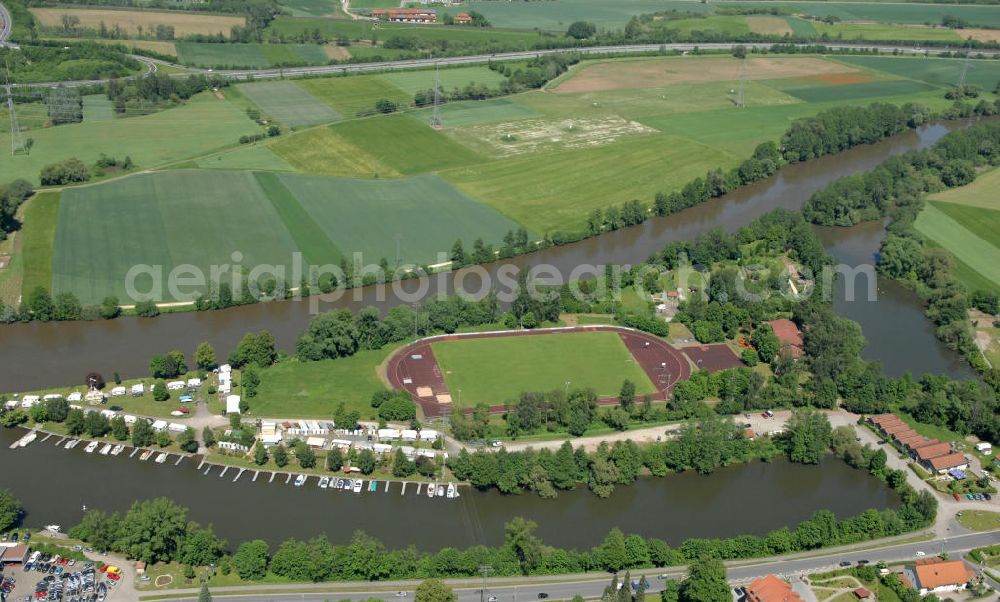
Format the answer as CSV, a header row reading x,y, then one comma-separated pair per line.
x,y
436,116
965,68
744,75
16,141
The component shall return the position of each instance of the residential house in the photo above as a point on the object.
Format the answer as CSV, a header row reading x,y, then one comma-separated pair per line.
x,y
463,19
938,576
933,451
406,15
771,589
944,464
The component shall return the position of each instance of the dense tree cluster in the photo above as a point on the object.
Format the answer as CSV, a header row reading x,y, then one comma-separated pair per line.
x,y
59,61
841,128
155,91
67,171
11,197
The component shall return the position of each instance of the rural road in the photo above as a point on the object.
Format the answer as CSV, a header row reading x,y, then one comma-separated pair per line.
x,y
5,29
592,585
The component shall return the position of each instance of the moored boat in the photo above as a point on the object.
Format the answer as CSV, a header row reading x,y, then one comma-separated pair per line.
x,y
27,439
452,491
324,482
160,459
357,485
90,447
440,490
430,489
300,480
145,455
348,484
117,450
105,449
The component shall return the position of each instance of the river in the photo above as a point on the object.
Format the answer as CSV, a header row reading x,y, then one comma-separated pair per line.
x,y
38,355
54,483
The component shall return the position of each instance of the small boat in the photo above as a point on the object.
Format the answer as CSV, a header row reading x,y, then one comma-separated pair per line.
x,y
90,447
348,484
440,490
357,485
338,485
117,450
324,482
160,459
452,491
53,528
300,480
27,439
145,455
430,490
373,485
71,443
105,449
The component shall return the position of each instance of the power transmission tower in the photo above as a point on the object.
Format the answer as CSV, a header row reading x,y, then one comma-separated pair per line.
x,y
485,569
436,116
744,76
16,141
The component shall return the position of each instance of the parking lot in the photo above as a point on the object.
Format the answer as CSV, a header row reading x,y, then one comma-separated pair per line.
x,y
55,579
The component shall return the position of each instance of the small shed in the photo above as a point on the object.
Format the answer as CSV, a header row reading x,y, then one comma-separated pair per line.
x,y
862,594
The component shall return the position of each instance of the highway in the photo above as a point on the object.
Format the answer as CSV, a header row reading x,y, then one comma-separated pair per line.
x,y
592,585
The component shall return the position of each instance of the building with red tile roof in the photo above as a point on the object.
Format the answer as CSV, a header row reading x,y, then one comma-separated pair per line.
x,y
942,464
463,18
935,575
892,429
921,443
771,589
789,335
884,419
932,451
862,594
909,433
406,15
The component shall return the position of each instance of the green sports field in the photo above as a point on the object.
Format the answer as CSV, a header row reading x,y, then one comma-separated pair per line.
x,y
286,102
497,370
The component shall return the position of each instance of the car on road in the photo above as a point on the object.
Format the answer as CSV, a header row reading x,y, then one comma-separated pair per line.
x,y
919,554
400,594
492,599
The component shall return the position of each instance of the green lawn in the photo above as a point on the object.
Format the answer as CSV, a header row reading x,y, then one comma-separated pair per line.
x,y
885,32
405,143
322,151
980,520
313,389
41,214
201,125
310,238
254,156
288,103
312,8
250,56
728,25
163,219
97,107
496,370
894,87
353,94
968,233
367,216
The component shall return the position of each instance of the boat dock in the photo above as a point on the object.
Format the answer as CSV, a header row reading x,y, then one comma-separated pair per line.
x,y
223,473
239,474
134,452
256,474
179,460
47,437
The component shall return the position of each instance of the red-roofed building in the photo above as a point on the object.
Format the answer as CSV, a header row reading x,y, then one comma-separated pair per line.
x,y
13,554
862,594
771,589
406,15
942,464
909,433
882,419
463,19
933,451
921,443
937,576
789,335
907,439
892,429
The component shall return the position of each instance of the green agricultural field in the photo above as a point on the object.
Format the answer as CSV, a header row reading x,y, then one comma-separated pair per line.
x,y
312,8
801,27
314,389
201,125
496,370
559,192
478,112
353,94
887,32
362,29
97,107
971,234
412,82
405,143
909,13
288,103
366,216
556,15
249,56
895,87
730,25
936,71
310,238
370,4
321,151
253,157
163,219
41,216
981,193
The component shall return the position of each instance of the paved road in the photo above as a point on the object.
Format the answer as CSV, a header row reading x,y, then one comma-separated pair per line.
x,y
5,30
484,58
564,588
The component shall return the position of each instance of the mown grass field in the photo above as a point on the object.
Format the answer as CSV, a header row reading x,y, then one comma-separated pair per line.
x,y
971,234
936,71
467,113
412,82
980,193
405,143
249,56
97,107
884,31
163,219
496,370
314,389
312,8
41,218
322,151
202,125
131,20
254,157
351,95
309,237
288,103
366,216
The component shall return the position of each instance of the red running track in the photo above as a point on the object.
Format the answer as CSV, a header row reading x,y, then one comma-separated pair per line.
x,y
415,366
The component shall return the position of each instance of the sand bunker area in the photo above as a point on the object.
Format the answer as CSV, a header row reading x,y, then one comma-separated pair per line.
x,y
660,73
